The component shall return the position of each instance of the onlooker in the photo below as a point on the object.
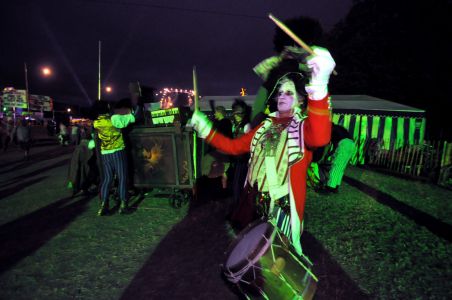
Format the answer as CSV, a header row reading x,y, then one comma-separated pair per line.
x,y
2,133
9,130
63,135
75,135
23,133
221,123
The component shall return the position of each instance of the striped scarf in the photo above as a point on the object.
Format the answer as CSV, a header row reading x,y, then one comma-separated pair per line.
x,y
288,151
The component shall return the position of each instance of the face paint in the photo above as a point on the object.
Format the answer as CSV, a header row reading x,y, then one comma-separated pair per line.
x,y
287,97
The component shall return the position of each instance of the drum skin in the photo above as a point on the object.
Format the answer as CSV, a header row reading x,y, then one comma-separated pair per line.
x,y
260,264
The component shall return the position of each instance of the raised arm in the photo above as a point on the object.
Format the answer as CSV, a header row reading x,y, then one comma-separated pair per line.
x,y
317,127
227,145
121,121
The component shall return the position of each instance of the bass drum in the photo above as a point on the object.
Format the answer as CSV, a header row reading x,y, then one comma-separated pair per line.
x,y
261,265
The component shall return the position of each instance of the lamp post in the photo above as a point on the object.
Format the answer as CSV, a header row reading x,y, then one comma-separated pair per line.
x,y
99,88
46,72
27,98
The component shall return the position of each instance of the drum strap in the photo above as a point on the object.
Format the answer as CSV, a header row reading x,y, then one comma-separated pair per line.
x,y
295,223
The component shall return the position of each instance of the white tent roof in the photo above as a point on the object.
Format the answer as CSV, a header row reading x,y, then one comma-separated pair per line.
x,y
365,102
341,103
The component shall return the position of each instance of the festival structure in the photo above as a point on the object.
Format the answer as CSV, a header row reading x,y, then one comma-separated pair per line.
x,y
14,103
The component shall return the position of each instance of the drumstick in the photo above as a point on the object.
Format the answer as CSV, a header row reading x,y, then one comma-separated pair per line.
x,y
290,33
195,89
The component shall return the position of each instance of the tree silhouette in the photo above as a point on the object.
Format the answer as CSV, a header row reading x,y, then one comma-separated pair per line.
x,y
398,50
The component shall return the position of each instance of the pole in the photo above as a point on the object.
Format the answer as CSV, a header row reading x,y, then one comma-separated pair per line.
x,y
195,148
27,97
195,88
98,83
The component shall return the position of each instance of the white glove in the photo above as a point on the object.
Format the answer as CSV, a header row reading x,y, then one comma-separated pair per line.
x,y
91,145
322,65
201,124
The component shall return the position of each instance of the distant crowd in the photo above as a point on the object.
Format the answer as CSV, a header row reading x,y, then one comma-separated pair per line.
x,y
19,133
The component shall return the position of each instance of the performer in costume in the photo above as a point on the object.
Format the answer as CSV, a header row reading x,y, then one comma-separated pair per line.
x,y
214,163
113,156
281,146
239,163
336,157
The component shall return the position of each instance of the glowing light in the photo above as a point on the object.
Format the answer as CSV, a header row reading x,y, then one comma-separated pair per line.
x,y
46,71
68,110
168,96
108,89
8,89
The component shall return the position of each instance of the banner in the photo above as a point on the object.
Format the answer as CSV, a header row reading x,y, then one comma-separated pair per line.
x,y
16,99
41,103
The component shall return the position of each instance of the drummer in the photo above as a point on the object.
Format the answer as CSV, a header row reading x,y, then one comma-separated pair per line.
x,y
281,146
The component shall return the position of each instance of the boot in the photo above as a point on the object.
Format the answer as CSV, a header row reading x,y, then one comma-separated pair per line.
x,y
123,208
103,210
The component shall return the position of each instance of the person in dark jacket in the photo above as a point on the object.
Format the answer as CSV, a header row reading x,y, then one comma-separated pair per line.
x,y
23,134
82,169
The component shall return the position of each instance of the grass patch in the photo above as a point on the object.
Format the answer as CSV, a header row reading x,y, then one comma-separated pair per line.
x,y
387,254
94,257
73,254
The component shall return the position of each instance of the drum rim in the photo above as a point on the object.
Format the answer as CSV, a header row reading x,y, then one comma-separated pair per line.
x,y
251,256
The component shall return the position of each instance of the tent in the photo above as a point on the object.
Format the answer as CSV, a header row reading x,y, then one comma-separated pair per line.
x,y
367,118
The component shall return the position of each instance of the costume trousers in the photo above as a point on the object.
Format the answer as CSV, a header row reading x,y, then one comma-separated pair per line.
x,y
114,163
344,152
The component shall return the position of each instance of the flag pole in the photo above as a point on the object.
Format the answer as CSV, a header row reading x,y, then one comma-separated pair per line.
x,y
195,149
195,88
27,96
99,88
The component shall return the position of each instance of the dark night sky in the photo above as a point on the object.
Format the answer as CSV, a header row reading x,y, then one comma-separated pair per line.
x,y
155,42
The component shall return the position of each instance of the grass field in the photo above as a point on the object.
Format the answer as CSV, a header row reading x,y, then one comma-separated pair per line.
x,y
379,229
84,256
389,238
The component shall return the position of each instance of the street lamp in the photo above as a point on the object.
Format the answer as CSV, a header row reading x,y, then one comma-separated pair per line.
x,y
69,110
108,89
46,71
